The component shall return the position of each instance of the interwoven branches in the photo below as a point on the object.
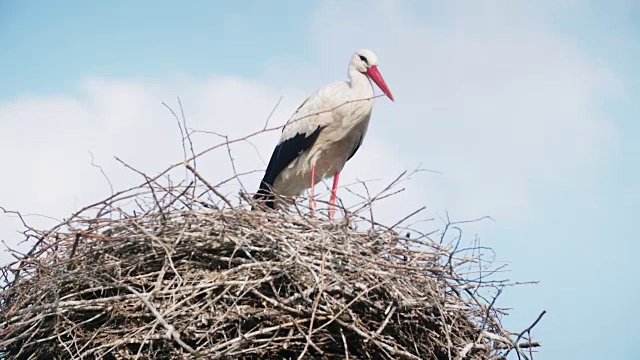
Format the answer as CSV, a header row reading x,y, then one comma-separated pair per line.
x,y
169,270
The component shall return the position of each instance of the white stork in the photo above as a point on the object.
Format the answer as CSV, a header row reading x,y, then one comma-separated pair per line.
x,y
323,134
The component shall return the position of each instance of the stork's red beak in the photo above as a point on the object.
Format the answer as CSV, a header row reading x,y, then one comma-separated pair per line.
x,y
374,75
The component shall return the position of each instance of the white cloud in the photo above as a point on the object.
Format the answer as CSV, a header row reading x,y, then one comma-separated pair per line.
x,y
46,141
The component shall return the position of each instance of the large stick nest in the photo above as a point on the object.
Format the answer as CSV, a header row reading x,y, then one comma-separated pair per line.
x,y
158,272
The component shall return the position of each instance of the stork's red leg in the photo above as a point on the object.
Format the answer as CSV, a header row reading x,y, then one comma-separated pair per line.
x,y
334,190
312,200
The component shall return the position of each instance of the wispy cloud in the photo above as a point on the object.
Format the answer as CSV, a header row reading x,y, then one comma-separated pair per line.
x,y
49,141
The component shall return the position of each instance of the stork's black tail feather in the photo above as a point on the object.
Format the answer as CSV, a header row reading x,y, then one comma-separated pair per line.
x,y
283,154
264,196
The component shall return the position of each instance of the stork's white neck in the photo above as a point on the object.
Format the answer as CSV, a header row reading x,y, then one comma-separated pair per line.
x,y
360,84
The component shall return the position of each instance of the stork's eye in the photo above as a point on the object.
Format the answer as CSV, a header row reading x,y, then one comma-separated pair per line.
x,y
364,59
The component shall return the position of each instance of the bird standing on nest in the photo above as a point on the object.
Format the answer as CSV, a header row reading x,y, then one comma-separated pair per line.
x,y
323,134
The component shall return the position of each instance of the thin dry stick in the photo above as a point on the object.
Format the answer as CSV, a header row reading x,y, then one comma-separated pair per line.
x,y
204,181
526,330
266,123
171,331
346,347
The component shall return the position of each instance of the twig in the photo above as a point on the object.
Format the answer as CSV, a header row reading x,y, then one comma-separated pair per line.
x,y
204,181
528,329
171,331
266,123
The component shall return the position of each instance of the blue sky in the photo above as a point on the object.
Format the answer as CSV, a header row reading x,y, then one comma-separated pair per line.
x,y
528,109
60,44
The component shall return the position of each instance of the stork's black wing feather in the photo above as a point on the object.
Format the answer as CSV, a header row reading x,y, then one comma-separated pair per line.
x,y
356,148
282,156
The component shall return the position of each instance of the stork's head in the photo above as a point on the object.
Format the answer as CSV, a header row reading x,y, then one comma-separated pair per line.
x,y
366,62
